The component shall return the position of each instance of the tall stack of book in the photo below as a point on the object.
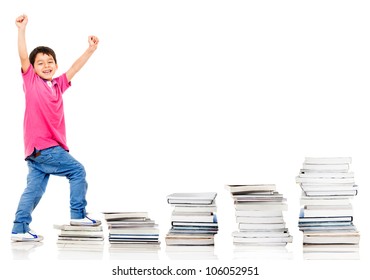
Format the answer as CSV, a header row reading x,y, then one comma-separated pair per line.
x,y
259,214
326,217
132,230
193,219
80,237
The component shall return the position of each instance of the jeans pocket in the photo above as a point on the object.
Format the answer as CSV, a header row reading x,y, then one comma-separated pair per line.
x,y
42,156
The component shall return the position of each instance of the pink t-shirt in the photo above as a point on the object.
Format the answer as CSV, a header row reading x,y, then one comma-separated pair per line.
x,y
44,124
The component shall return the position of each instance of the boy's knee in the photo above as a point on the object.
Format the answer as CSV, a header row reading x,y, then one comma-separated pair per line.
x,y
78,172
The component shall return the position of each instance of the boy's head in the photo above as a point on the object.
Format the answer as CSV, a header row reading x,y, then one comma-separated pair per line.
x,y
44,61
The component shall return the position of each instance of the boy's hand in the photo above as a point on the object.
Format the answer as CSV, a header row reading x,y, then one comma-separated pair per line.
x,y
21,21
93,42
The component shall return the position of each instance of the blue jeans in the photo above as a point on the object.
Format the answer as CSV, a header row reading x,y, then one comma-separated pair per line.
x,y
42,164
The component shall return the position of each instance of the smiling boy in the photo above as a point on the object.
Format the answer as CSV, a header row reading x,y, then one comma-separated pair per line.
x,y
46,150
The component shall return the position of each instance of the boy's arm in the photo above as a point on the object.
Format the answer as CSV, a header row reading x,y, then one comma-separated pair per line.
x,y
80,62
21,23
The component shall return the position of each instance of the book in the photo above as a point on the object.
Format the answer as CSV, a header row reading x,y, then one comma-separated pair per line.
x,y
325,200
125,215
250,197
326,167
262,240
325,180
265,234
135,230
190,239
325,219
195,208
331,237
327,210
349,193
192,198
257,226
328,160
194,217
258,213
261,206
261,220
130,223
334,175
258,188
66,227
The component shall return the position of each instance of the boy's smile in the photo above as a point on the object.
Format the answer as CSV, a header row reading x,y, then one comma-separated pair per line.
x,y
45,66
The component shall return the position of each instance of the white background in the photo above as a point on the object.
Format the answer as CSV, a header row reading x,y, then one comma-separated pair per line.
x,y
189,96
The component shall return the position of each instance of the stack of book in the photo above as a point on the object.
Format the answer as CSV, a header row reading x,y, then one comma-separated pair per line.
x,y
132,230
80,237
326,217
259,214
193,220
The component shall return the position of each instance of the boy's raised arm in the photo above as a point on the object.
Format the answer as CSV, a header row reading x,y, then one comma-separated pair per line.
x,y
80,62
21,23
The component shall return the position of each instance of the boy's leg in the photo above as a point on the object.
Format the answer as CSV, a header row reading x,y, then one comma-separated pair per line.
x,y
75,173
36,185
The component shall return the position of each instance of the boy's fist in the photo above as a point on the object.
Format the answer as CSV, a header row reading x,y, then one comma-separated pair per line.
x,y
93,42
21,21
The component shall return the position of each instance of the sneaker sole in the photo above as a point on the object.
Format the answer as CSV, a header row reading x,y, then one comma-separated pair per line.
x,y
20,239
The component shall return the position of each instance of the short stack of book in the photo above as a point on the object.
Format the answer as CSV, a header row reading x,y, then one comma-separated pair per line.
x,y
132,230
80,237
326,217
259,215
193,220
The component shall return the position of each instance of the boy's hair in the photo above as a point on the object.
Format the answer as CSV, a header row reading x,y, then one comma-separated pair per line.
x,y
43,50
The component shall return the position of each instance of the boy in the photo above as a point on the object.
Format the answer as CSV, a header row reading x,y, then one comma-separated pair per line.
x,y
46,151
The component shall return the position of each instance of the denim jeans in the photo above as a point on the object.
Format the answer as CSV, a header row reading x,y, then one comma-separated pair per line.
x,y
42,164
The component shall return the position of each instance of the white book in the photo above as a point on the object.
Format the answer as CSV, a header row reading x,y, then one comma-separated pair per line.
x,y
257,226
332,193
331,238
315,200
251,188
321,180
194,218
326,228
194,224
327,210
258,213
192,198
261,206
274,196
261,220
82,242
337,175
326,167
125,215
328,160
331,248
189,239
134,230
195,208
251,234
79,228
287,239
332,188
79,233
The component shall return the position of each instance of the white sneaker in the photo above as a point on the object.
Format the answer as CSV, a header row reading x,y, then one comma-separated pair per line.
x,y
85,222
26,237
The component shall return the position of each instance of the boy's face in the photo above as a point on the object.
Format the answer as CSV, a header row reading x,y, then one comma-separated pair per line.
x,y
45,66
